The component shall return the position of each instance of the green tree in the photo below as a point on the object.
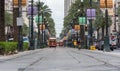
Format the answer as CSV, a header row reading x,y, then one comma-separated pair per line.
x,y
74,12
8,19
47,14
25,30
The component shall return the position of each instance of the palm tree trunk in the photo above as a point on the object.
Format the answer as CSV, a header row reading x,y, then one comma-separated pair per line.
x,y
15,15
2,22
98,34
102,32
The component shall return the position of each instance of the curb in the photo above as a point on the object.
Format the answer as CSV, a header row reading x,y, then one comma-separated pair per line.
x,y
20,54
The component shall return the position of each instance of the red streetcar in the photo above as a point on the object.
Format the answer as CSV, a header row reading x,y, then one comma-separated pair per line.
x,y
52,42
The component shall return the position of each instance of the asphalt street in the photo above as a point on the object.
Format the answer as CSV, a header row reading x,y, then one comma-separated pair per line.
x,y
61,59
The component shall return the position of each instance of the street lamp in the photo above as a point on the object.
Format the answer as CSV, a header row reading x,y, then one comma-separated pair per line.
x,y
32,39
44,23
20,37
91,13
115,18
90,27
38,40
82,23
106,39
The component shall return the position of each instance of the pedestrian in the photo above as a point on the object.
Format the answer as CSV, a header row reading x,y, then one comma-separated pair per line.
x,y
75,43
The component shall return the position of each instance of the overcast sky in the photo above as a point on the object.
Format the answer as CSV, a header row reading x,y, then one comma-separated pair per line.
x,y
57,7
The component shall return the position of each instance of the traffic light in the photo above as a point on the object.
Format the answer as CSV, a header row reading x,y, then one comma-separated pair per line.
x,y
86,28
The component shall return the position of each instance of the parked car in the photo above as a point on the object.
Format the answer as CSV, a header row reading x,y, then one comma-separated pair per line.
x,y
100,45
25,39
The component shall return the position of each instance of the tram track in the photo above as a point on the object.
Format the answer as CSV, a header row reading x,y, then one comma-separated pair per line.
x,y
106,63
30,65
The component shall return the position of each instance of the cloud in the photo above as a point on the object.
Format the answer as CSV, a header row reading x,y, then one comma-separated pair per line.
x,y
57,7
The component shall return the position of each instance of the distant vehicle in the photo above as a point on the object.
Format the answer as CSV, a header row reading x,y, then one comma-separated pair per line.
x,y
60,43
10,39
100,45
25,39
52,42
113,41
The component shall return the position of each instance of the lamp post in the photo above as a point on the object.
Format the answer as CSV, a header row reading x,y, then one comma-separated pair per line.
x,y
20,39
44,22
32,39
115,18
90,27
82,26
38,40
42,42
106,39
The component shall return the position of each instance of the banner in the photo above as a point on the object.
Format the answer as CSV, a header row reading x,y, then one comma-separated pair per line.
x,y
91,13
30,10
42,27
77,27
15,2
109,4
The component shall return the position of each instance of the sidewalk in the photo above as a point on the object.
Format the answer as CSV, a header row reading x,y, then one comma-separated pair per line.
x,y
20,54
114,53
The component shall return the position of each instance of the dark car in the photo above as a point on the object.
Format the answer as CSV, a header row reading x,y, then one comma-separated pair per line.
x,y
100,46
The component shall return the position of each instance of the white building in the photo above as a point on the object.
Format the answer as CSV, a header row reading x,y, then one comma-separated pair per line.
x,y
67,4
8,6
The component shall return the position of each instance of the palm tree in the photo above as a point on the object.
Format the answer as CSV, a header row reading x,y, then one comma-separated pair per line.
x,y
15,15
47,14
9,24
2,22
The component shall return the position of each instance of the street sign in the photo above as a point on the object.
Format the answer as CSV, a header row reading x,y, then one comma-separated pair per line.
x,y
82,20
86,33
42,27
38,18
19,21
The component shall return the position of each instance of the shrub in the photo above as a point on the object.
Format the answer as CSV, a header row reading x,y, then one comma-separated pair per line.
x,y
11,47
25,46
8,47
